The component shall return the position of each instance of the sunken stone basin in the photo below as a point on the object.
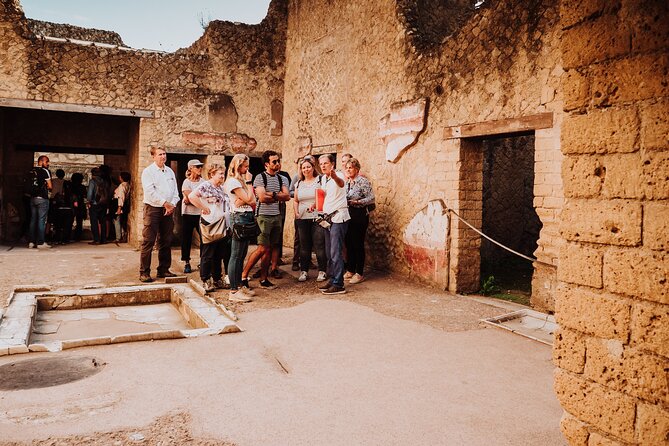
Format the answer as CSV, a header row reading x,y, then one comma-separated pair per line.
x,y
38,319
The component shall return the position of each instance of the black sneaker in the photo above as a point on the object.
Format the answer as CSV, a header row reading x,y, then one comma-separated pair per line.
x,y
266,284
295,267
245,283
334,290
256,275
325,285
276,274
209,285
187,268
145,278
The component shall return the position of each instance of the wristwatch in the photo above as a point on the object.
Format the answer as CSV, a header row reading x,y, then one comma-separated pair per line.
x,y
274,196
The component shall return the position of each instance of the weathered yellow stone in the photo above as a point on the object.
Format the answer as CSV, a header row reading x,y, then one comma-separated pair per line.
x,y
580,265
639,273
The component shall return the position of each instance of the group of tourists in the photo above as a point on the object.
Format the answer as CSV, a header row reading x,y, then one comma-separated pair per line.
x,y
62,205
230,209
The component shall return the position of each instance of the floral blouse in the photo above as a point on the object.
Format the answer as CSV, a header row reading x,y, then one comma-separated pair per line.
x,y
360,189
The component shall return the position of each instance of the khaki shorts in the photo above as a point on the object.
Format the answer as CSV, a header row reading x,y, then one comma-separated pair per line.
x,y
270,230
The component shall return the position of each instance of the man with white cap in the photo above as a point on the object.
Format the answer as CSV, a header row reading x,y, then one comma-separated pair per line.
x,y
160,199
190,215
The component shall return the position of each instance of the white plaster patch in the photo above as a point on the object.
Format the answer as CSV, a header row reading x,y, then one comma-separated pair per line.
x,y
400,128
429,227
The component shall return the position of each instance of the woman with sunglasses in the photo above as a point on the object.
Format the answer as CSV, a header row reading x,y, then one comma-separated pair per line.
x,y
190,215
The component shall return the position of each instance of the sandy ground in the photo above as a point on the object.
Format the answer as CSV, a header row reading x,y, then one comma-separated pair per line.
x,y
390,362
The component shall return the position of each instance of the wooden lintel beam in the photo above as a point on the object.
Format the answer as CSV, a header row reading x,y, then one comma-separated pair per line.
x,y
501,127
75,108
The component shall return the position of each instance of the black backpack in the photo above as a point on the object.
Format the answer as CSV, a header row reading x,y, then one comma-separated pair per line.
x,y
33,185
102,191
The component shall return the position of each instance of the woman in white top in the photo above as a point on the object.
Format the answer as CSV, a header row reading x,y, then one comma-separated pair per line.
x,y
242,200
190,215
211,199
310,234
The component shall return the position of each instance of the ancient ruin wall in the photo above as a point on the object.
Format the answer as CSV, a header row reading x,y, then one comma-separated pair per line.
x,y
65,31
240,62
347,66
612,351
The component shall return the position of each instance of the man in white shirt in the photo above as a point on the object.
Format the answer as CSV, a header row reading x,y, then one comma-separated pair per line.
x,y
160,199
336,205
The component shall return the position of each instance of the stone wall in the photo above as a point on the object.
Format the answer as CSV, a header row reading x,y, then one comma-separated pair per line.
x,y
242,62
65,31
348,68
613,304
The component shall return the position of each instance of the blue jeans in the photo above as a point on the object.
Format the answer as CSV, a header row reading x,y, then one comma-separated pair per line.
x,y
39,209
238,250
334,246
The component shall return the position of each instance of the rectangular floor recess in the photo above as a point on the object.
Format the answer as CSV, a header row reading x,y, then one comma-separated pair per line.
x,y
529,323
39,319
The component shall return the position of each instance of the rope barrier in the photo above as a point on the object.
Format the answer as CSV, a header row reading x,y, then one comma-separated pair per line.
x,y
531,259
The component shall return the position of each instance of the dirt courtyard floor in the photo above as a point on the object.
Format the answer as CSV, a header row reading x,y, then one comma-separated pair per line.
x,y
389,363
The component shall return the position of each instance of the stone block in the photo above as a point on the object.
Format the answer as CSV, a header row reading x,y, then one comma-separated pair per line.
x,y
650,327
607,410
18,349
656,226
601,131
630,79
655,175
598,314
575,11
583,176
637,273
580,265
628,370
594,41
597,439
649,22
75,343
574,430
612,222
652,424
569,350
177,279
655,126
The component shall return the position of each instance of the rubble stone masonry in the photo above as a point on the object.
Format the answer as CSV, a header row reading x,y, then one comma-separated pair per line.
x,y
613,297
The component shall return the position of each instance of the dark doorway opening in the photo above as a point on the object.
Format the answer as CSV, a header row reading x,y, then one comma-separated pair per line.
x,y
508,216
71,138
178,162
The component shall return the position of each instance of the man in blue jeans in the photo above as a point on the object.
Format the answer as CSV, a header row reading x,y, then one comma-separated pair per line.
x,y
39,203
335,204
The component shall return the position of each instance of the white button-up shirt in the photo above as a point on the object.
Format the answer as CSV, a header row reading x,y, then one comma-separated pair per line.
x,y
160,185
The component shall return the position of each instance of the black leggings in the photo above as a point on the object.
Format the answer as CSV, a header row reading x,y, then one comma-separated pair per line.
x,y
311,236
211,255
188,223
355,240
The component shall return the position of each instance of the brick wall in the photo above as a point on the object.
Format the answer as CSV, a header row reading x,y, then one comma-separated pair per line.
x,y
613,297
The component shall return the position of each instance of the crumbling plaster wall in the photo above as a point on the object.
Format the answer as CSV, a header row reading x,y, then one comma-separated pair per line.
x,y
346,66
244,62
612,350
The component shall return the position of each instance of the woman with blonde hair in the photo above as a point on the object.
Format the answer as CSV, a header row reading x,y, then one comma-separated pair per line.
x,y
310,233
210,198
190,215
239,189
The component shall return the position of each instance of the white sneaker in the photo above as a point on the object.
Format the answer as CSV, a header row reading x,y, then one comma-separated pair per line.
x,y
226,279
348,275
31,245
43,246
357,278
239,296
248,291
321,276
303,277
